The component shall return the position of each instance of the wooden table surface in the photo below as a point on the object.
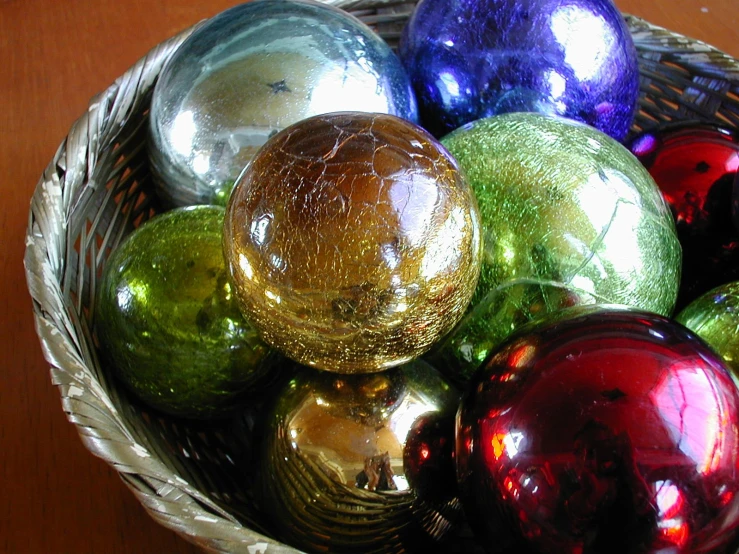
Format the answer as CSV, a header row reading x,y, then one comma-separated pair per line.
x,y
55,497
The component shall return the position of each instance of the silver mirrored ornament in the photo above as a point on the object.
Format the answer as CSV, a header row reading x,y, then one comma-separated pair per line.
x,y
253,70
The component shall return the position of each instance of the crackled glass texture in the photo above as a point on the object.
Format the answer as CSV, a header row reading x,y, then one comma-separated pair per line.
x,y
470,59
607,430
569,217
253,70
714,317
695,165
362,463
168,323
353,242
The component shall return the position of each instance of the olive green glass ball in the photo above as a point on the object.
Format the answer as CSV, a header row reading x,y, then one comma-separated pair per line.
x,y
714,317
167,322
569,217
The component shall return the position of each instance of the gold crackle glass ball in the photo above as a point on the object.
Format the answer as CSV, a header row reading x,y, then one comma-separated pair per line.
x,y
353,241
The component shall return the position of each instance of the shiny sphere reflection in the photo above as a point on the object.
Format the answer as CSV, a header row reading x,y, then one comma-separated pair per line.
x,y
569,217
602,430
340,470
470,59
168,323
253,70
695,165
353,242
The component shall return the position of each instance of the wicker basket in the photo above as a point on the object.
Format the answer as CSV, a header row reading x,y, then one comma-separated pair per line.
x,y
97,189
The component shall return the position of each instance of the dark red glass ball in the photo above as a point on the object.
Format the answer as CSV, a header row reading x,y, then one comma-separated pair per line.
x,y
694,165
428,457
608,430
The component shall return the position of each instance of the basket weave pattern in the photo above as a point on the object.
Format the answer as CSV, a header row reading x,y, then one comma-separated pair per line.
x,y
97,189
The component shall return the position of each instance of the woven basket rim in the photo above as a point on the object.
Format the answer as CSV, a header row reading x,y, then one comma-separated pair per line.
x,y
72,169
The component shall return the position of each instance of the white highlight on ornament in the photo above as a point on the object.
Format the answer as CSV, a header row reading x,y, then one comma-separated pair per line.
x,y
590,32
183,133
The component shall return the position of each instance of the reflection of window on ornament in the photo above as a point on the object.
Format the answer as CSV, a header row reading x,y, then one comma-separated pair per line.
x,y
508,443
670,503
692,412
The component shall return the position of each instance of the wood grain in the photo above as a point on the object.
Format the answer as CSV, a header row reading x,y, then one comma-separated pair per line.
x,y
55,496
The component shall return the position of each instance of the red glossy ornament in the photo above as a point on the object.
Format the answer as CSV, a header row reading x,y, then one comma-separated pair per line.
x,y
428,457
608,430
694,165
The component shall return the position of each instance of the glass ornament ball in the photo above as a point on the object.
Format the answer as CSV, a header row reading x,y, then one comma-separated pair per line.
x,y
251,71
470,59
167,321
341,453
569,217
602,430
353,242
428,457
695,165
714,317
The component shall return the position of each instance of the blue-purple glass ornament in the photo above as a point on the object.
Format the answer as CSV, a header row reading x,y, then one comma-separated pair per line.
x,y
470,59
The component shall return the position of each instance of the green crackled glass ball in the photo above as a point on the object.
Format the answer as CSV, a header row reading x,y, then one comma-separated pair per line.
x,y
353,242
714,317
167,322
569,217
